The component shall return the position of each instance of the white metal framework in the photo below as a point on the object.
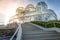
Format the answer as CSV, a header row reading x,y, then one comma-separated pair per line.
x,y
38,12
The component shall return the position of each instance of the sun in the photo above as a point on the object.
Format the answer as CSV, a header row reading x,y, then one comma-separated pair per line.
x,y
9,12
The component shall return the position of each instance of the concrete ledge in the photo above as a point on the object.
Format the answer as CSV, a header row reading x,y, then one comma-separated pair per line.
x,y
46,29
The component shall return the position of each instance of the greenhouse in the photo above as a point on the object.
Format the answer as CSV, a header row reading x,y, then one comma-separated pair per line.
x,y
38,12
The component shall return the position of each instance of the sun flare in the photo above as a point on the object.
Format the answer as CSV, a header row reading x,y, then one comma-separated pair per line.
x,y
10,11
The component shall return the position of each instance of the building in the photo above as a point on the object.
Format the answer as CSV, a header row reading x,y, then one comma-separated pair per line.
x,y
38,12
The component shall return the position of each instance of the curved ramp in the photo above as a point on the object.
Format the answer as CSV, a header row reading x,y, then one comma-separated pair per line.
x,y
30,32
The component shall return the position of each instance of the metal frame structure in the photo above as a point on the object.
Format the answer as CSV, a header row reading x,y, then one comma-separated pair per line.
x,y
40,12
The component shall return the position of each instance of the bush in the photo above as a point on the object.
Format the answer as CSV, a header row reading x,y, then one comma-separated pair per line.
x,y
58,25
41,23
48,24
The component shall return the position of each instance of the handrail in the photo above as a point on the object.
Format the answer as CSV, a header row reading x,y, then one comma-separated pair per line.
x,y
18,32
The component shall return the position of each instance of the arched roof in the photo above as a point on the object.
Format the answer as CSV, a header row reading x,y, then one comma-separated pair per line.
x,y
42,3
30,6
52,13
20,9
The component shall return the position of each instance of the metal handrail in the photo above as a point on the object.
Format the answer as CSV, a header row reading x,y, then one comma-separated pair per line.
x,y
18,32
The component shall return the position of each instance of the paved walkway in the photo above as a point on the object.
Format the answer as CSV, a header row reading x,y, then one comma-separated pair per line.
x,y
30,32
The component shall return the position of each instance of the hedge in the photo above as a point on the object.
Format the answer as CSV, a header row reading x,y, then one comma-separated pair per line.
x,y
49,24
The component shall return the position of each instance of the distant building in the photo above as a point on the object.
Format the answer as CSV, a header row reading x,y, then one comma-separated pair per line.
x,y
45,13
38,12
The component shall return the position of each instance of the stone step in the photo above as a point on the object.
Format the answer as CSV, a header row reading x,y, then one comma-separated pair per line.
x,y
39,32
42,39
42,36
28,27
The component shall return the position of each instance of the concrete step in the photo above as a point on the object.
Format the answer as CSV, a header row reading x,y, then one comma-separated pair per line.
x,y
31,32
28,27
39,32
42,39
41,36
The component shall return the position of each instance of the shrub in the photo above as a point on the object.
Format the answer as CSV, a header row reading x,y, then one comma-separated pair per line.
x,y
48,24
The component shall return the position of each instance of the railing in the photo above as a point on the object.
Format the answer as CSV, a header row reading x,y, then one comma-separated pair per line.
x,y
18,32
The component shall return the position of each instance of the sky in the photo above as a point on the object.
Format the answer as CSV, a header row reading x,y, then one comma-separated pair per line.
x,y
8,7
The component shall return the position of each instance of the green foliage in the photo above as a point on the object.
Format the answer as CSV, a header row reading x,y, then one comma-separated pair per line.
x,y
41,23
58,25
49,24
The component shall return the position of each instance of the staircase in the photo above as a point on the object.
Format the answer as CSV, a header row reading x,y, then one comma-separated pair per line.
x,y
30,32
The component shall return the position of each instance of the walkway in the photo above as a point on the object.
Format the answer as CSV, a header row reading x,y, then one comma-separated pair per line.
x,y
31,32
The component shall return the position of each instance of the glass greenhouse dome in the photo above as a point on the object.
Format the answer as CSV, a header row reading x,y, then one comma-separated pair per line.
x,y
38,12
